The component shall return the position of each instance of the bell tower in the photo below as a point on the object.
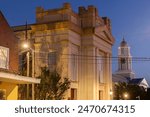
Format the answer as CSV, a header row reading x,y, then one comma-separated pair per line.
x,y
124,60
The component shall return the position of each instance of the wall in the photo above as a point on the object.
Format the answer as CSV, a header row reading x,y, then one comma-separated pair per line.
x,y
11,90
9,40
85,34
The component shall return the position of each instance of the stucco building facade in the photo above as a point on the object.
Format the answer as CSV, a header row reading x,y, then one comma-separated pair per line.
x,y
79,45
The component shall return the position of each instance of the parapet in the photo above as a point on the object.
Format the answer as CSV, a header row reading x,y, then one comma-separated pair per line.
x,y
81,10
67,6
107,22
90,9
52,15
39,9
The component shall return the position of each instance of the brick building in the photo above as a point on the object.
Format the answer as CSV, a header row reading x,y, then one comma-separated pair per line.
x,y
9,78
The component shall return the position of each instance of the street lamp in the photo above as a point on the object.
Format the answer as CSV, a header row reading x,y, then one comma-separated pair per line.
x,y
25,45
110,92
126,95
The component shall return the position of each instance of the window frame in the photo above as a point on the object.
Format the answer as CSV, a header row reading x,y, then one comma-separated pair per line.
x,y
100,68
52,60
74,67
6,57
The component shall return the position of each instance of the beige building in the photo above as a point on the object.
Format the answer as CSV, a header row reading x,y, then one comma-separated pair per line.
x,y
78,44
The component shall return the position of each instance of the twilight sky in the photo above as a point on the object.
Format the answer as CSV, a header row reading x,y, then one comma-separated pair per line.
x,y
129,18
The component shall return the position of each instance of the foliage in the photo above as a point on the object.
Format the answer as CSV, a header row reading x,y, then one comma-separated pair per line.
x,y
134,91
52,86
2,93
22,88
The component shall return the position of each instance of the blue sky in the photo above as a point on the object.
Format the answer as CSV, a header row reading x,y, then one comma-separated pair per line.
x,y
130,18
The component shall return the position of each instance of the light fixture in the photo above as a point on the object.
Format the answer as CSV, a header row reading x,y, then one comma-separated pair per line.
x,y
25,45
110,92
126,95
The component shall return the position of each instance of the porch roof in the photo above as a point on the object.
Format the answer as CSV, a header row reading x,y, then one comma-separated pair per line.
x,y
17,79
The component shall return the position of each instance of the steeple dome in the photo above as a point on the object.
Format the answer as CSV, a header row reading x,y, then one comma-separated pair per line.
x,y
123,43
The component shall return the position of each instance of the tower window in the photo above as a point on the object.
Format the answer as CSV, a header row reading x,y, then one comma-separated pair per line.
x,y
123,60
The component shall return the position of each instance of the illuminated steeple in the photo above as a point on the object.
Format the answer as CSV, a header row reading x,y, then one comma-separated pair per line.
x,y
124,59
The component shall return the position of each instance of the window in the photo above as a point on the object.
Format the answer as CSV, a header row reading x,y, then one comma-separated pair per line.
x,y
23,63
4,57
73,94
124,51
74,67
123,60
100,68
52,58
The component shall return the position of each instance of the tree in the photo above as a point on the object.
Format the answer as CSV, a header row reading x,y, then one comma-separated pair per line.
x,y
134,91
2,93
22,88
52,86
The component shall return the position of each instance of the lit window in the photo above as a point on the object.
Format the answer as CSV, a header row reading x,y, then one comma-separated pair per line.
x,y
4,57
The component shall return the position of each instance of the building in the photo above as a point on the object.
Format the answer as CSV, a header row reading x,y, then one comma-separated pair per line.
x,y
125,72
78,44
125,60
9,78
140,82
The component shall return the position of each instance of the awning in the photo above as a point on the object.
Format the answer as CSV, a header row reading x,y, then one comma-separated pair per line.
x,y
17,79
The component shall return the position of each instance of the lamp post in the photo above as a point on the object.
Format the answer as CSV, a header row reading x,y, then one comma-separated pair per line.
x,y
28,71
28,49
33,89
26,45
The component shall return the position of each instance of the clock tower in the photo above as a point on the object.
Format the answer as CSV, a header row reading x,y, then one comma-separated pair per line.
x,y
124,60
